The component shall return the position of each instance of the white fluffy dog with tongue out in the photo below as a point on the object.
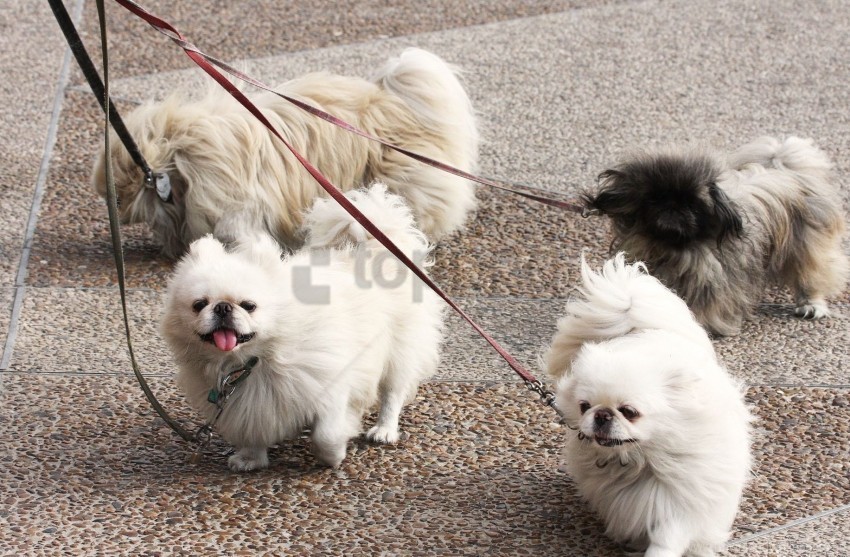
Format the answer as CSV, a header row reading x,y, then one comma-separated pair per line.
x,y
336,327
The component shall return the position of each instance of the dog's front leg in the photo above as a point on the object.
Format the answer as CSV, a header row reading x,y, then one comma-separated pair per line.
x,y
249,458
331,432
670,539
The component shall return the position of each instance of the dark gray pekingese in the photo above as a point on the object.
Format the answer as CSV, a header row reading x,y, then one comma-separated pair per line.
x,y
718,229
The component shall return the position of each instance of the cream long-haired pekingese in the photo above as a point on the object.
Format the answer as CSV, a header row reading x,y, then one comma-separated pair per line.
x,y
230,176
337,327
660,440
718,229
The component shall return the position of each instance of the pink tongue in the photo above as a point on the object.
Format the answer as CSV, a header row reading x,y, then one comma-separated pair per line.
x,y
225,339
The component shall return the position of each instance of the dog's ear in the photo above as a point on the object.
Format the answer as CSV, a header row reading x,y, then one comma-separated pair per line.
x,y
726,214
682,385
614,195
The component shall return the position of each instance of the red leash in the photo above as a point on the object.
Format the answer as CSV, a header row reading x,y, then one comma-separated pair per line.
x,y
196,54
206,63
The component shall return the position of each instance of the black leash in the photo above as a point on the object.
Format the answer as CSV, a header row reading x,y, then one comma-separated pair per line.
x,y
96,85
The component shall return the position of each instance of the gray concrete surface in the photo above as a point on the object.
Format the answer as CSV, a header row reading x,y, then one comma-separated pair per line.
x,y
562,89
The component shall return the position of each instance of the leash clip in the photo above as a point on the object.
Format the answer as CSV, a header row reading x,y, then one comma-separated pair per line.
x,y
203,436
160,182
589,212
547,397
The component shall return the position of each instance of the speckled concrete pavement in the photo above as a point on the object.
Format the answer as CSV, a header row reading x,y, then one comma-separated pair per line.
x,y
562,88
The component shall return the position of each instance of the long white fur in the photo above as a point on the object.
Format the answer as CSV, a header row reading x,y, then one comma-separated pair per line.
x,y
628,340
232,177
321,365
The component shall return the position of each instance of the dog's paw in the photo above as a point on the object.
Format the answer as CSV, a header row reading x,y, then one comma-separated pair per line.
x,y
383,434
812,310
329,455
246,460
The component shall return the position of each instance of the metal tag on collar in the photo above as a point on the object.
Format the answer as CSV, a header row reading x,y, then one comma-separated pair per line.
x,y
163,186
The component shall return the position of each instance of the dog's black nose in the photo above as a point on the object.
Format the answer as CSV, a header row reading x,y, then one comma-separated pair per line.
x,y
602,417
223,309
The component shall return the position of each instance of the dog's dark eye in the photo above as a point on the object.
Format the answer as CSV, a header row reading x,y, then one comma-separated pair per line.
x,y
198,305
248,306
583,406
629,413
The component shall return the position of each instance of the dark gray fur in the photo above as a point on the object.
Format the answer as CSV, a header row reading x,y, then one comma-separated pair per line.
x,y
717,232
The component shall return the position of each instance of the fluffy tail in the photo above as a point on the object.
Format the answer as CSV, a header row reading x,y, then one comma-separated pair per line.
x,y
328,225
793,154
431,88
621,299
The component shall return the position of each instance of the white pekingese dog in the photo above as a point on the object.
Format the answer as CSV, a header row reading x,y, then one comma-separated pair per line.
x,y
336,326
718,230
660,443
230,176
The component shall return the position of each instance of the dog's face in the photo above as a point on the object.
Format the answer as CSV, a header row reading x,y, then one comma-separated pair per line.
x,y
223,303
671,199
627,393
156,128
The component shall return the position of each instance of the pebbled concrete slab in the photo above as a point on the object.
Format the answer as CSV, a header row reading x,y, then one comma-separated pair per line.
x,y
89,468
477,472
31,59
58,332
7,295
822,536
67,330
267,27
777,348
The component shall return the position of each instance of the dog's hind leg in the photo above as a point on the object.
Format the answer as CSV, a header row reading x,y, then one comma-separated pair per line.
x,y
440,201
811,307
812,286
386,430
414,358
818,271
398,385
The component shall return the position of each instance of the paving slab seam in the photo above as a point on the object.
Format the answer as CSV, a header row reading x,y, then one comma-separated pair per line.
x,y
85,91
572,10
129,290
75,373
798,385
38,195
503,381
788,526
447,381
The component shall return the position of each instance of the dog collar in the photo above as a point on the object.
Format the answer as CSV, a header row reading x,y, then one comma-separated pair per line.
x,y
228,384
